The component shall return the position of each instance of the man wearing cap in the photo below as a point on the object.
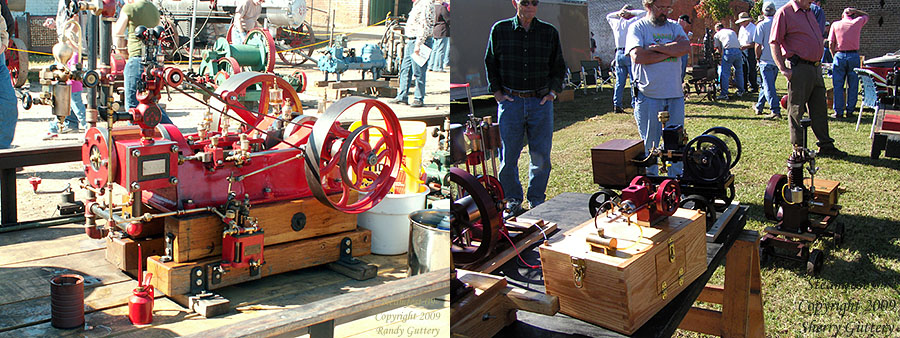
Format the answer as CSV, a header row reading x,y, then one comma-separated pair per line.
x,y
844,41
730,48
685,22
619,21
745,37
766,63
796,37
656,46
525,70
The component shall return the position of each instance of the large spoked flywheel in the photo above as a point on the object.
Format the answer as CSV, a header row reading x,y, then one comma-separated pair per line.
x,y
250,97
476,223
338,160
261,38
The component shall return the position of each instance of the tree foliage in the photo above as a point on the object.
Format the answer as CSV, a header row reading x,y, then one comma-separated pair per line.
x,y
714,9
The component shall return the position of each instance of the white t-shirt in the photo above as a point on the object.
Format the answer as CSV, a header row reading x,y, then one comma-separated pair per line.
x,y
620,25
661,80
747,34
726,38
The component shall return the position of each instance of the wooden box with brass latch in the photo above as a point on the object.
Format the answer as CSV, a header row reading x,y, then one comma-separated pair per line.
x,y
621,276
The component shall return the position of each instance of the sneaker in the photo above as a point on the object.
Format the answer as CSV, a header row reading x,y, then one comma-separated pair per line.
x,y
514,208
832,151
620,110
836,116
722,98
398,101
773,116
417,103
50,136
758,111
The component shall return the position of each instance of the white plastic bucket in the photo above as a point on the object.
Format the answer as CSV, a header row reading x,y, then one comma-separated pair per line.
x,y
389,221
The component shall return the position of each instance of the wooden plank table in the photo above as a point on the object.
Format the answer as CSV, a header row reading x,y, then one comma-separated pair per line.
x,y
288,302
569,210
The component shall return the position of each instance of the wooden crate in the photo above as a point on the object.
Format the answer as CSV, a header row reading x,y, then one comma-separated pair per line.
x,y
623,291
612,162
827,193
200,236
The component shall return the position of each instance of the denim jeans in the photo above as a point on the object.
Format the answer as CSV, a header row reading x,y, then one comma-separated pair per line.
x,y
75,120
623,71
731,58
131,75
842,69
237,38
750,69
408,70
9,109
519,119
684,61
447,53
645,114
768,94
438,54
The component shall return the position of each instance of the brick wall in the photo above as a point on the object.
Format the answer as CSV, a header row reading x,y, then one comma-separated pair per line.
x,y
876,40
40,7
350,13
597,11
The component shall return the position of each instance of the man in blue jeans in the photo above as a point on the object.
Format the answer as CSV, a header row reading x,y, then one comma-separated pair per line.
x,y
619,21
656,46
9,110
844,41
419,30
728,44
766,63
525,70
135,13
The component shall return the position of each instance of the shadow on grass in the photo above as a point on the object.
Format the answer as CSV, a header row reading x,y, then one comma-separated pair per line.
x,y
870,240
727,117
889,163
719,104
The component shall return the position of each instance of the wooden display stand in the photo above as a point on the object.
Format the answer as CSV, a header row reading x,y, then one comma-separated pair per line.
x,y
493,305
622,288
740,297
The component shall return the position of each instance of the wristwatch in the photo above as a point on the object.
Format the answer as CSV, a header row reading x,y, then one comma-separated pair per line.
x,y
554,94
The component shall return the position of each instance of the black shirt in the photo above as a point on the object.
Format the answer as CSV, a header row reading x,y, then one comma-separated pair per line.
x,y
524,60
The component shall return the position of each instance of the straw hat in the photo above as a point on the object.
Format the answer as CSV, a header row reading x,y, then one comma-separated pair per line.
x,y
743,17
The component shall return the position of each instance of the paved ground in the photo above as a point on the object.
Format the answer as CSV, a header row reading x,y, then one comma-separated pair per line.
x,y
186,114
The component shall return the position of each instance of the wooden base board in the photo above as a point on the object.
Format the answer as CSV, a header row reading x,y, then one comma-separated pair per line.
x,y
174,279
123,252
523,241
200,236
809,237
713,233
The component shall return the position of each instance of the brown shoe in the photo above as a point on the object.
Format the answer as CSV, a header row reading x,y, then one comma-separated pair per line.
x,y
620,110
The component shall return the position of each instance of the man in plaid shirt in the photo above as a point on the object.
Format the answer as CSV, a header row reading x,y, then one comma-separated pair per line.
x,y
419,30
525,70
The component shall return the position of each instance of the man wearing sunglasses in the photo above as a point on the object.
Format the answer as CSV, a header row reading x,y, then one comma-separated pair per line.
x,y
525,70
656,46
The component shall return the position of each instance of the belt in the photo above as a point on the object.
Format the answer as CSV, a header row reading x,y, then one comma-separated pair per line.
x,y
527,93
621,49
848,51
797,60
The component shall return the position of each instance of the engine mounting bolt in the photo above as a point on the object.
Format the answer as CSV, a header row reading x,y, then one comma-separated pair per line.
x,y
174,148
136,153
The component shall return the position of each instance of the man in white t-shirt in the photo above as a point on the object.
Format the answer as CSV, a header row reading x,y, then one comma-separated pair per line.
x,y
728,45
619,21
767,67
656,46
746,36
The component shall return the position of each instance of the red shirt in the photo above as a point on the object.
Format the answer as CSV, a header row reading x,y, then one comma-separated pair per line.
x,y
845,33
798,33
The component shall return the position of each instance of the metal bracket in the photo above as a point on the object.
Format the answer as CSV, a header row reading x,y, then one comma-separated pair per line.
x,y
578,266
170,248
254,270
347,252
198,280
215,273
671,250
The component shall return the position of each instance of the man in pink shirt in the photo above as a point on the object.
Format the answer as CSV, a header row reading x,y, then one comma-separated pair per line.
x,y
796,37
844,43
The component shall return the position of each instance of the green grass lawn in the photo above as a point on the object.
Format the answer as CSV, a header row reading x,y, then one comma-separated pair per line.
x,y
865,269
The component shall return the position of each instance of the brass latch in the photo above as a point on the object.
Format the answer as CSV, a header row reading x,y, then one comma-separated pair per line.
x,y
665,290
671,251
578,267
680,276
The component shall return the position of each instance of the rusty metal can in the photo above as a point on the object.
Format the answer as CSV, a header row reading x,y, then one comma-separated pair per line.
x,y
67,301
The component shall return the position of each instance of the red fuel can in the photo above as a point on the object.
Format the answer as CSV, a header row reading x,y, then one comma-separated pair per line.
x,y
140,305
